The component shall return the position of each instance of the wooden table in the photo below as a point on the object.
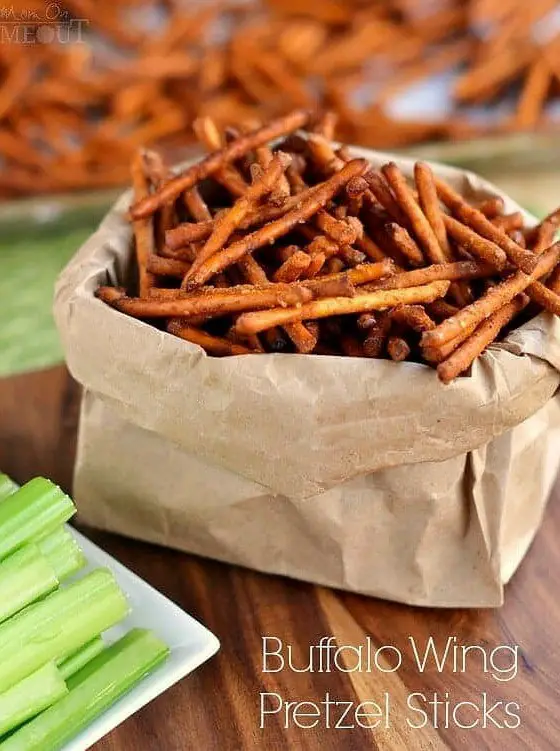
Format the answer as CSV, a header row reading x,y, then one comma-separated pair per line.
x,y
217,708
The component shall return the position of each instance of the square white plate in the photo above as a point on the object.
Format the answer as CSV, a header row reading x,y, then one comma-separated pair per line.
x,y
190,642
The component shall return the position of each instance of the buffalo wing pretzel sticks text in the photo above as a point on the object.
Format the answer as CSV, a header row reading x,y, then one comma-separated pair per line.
x,y
278,241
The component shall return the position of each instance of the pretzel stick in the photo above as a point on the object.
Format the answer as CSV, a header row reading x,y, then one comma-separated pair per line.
x,y
167,267
375,342
492,207
228,176
429,203
293,268
412,316
194,232
545,297
439,354
281,192
492,300
455,271
404,243
397,348
326,125
230,220
533,96
380,189
280,227
484,335
214,345
259,321
418,222
143,229
509,222
543,236
213,162
554,281
474,219
343,231
442,309
304,340
196,205
474,244
366,321
214,303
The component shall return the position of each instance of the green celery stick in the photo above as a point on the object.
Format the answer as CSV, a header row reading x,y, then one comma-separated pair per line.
x,y
79,659
93,690
31,696
35,509
59,625
25,576
63,552
7,486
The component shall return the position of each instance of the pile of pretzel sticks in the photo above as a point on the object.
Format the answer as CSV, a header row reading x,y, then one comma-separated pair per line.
x,y
280,241
91,81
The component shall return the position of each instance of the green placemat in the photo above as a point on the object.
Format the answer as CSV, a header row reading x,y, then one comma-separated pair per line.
x,y
36,241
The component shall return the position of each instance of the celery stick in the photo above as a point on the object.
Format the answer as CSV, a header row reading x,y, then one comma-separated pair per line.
x,y
25,576
32,511
7,486
59,625
31,696
93,690
79,659
63,552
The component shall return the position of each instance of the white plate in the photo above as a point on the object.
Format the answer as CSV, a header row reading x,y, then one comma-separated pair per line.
x,y
190,643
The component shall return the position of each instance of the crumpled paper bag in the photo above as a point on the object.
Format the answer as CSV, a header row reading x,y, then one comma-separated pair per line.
x,y
360,474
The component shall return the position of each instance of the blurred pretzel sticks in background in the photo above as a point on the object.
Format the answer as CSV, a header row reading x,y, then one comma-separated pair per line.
x,y
280,241
93,82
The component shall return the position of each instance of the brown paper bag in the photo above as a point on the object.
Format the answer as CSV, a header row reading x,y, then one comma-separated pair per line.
x,y
366,475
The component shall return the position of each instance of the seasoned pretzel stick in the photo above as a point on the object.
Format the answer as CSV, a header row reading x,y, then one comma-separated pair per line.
x,y
404,243
304,340
397,348
280,227
429,203
208,134
252,323
412,316
213,303
326,125
167,267
214,345
374,344
143,229
484,335
439,354
230,220
475,244
196,205
293,268
491,207
545,297
417,221
380,189
281,192
523,259
213,162
194,232
543,236
492,300
509,222
456,271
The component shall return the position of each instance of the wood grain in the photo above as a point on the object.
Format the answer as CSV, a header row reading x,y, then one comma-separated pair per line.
x,y
217,708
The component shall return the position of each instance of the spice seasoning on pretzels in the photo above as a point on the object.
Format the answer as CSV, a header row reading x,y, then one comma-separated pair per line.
x,y
292,262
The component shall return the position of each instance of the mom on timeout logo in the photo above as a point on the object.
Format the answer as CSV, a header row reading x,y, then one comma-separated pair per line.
x,y
51,24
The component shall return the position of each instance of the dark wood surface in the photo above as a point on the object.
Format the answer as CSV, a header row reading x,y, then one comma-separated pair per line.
x,y
218,706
